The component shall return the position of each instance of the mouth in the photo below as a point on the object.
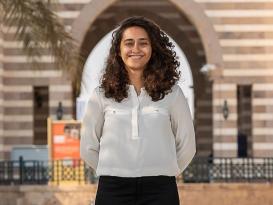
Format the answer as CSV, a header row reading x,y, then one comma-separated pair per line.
x,y
135,56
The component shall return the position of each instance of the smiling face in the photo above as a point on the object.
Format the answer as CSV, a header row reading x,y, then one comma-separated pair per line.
x,y
135,48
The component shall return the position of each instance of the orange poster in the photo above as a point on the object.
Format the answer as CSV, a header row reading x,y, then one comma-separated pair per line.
x,y
65,140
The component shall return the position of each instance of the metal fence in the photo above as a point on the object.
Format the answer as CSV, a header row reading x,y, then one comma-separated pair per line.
x,y
45,172
229,170
201,170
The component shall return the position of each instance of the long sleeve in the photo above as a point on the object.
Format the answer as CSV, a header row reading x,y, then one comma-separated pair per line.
x,y
183,130
91,131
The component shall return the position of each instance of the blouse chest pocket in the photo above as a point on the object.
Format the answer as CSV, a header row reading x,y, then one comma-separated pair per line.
x,y
116,112
154,111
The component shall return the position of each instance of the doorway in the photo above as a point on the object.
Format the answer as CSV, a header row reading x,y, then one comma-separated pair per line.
x,y
40,114
244,109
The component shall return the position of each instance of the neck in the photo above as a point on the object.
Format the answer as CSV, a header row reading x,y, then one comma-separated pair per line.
x,y
136,80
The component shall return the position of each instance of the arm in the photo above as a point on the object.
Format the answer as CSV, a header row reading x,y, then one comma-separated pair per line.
x,y
183,130
91,131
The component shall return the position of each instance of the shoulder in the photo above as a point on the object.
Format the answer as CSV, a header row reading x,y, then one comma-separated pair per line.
x,y
98,91
96,95
177,94
172,93
176,90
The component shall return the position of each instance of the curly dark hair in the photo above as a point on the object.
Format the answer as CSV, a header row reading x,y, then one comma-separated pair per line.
x,y
161,72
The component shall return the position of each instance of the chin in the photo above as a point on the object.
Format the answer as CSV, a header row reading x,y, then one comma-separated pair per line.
x,y
136,67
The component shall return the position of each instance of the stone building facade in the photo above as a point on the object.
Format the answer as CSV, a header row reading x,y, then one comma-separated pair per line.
x,y
233,37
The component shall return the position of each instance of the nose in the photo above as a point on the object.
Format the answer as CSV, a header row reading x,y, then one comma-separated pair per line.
x,y
135,47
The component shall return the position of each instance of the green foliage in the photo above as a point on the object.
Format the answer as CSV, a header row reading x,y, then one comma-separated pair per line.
x,y
38,27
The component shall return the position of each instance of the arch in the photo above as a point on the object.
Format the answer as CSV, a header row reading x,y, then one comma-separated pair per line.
x,y
99,29
94,66
90,26
191,9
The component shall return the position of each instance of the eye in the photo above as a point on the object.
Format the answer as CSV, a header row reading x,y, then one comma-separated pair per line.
x,y
129,44
144,43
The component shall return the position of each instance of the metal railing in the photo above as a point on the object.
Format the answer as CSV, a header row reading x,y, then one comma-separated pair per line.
x,y
229,170
201,170
45,172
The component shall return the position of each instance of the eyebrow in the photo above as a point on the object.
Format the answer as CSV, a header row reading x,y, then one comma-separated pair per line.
x,y
141,39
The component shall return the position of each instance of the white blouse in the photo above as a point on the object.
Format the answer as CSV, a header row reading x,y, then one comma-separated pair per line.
x,y
137,137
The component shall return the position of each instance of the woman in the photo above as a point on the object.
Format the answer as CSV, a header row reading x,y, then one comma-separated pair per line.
x,y
137,132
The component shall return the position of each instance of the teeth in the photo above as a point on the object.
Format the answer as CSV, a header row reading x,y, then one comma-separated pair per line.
x,y
136,57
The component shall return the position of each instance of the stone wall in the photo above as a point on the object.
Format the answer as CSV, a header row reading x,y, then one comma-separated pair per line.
x,y
190,194
242,29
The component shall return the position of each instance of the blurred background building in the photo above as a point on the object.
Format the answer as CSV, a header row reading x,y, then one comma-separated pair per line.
x,y
228,45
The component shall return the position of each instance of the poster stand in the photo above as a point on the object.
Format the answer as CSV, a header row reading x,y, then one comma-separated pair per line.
x,y
64,151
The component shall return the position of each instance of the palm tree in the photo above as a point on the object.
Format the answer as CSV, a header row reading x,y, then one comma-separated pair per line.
x,y
37,26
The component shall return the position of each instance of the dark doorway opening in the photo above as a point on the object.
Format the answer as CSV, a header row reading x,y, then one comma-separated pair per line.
x,y
244,109
40,114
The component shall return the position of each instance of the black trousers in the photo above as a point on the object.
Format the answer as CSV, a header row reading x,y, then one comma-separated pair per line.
x,y
146,190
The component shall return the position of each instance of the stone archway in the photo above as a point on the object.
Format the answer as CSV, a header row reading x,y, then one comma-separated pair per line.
x,y
89,32
192,10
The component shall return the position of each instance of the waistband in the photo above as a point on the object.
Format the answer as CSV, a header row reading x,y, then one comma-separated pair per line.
x,y
159,177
